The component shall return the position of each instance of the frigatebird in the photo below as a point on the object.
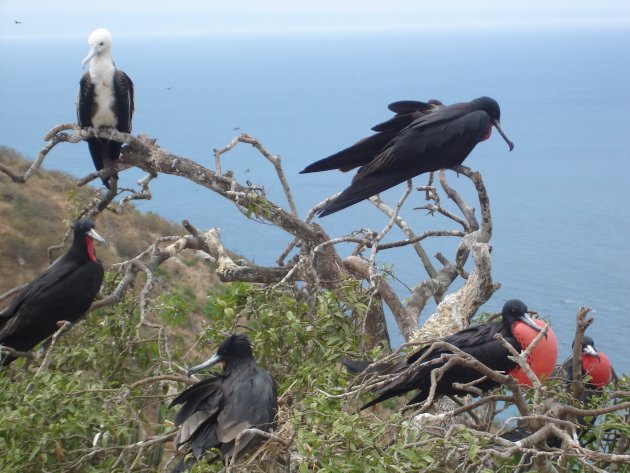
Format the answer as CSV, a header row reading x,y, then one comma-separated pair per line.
x,y
479,342
105,99
596,365
64,291
422,137
216,410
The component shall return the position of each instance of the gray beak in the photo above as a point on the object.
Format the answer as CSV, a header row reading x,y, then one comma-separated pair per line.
x,y
589,350
527,320
497,125
96,236
212,361
93,51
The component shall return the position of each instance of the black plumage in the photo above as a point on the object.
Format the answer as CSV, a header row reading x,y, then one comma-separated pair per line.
x,y
595,365
64,291
477,340
422,137
105,99
216,410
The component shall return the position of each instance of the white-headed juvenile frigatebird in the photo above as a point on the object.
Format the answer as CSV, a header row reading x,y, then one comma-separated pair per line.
x,y
479,342
422,137
216,410
105,99
64,291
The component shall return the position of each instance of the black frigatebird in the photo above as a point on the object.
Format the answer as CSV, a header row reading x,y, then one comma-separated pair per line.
x,y
105,99
422,137
597,368
478,341
596,365
216,410
64,291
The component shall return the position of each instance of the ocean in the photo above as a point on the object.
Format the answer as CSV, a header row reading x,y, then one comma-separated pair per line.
x,y
559,201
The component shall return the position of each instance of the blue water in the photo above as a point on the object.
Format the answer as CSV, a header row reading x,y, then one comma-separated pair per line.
x,y
559,200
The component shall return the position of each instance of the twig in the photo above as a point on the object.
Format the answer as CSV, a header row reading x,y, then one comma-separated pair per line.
x,y
63,325
10,292
581,325
253,431
383,232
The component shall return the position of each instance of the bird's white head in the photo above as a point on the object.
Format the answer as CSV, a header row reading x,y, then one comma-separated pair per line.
x,y
100,42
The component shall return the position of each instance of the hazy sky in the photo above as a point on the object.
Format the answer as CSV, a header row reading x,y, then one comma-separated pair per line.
x,y
161,17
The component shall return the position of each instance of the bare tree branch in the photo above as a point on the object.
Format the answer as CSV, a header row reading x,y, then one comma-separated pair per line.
x,y
64,326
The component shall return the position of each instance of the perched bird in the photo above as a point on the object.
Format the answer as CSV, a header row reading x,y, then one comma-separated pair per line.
x,y
479,342
596,365
216,410
64,291
105,99
422,137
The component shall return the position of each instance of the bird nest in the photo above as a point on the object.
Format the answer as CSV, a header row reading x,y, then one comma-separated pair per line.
x,y
275,450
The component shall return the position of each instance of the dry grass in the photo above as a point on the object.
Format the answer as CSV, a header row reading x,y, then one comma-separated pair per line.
x,y
35,215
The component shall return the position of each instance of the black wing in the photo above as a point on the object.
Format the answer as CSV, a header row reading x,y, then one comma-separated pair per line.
x,y
429,144
407,111
201,404
477,340
85,101
253,403
85,111
40,284
359,154
123,90
62,292
565,370
366,149
53,296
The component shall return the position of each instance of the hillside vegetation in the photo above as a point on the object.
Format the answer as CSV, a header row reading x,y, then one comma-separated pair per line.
x,y
37,215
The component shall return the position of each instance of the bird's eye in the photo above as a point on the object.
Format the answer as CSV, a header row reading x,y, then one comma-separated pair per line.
x,y
101,43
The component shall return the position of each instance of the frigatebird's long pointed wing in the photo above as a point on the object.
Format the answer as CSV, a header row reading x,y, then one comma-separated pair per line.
x,y
85,101
60,269
206,394
363,189
123,90
359,154
366,149
419,149
201,404
64,288
429,145
407,111
477,341
255,406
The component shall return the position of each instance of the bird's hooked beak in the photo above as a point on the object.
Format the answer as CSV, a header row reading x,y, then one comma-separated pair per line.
x,y
96,236
93,52
212,361
497,125
589,350
526,318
